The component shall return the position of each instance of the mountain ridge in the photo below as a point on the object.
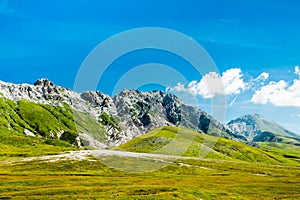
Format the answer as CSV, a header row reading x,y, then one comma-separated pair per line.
x,y
126,115
132,113
256,128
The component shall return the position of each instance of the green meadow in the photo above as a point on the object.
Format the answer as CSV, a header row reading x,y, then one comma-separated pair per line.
x,y
230,171
167,140
208,167
184,179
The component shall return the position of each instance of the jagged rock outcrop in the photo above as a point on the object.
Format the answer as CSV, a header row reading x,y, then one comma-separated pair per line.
x,y
140,112
173,110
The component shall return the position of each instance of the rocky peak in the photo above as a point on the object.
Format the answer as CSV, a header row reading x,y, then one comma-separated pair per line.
x,y
245,126
256,126
250,117
144,111
43,82
96,98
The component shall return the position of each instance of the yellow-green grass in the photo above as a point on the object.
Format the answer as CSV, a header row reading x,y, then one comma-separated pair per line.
x,y
197,179
286,150
168,140
225,175
15,144
41,120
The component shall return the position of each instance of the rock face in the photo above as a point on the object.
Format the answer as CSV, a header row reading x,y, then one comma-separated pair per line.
x,y
140,112
255,128
126,115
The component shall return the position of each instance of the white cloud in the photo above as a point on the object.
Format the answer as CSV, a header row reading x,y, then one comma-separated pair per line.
x,y
209,86
233,82
279,94
256,83
179,88
262,77
297,70
212,84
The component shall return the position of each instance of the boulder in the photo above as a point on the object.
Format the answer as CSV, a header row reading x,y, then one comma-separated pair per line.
x,y
29,133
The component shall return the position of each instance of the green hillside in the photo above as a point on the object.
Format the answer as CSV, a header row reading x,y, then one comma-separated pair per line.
x,y
286,150
45,122
162,141
272,132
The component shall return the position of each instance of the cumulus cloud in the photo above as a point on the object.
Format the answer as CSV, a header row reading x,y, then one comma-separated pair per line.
x,y
279,94
178,88
212,84
230,82
262,77
256,83
233,82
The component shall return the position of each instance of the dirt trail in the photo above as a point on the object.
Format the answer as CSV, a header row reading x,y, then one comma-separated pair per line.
x,y
94,155
89,154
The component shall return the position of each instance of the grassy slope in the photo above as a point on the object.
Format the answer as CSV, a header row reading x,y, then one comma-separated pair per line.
x,y
199,179
286,150
211,147
41,120
278,131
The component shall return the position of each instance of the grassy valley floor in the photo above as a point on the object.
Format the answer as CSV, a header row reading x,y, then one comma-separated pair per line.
x,y
183,179
230,170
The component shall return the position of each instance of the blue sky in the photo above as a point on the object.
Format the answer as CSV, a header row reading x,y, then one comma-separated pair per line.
x,y
51,38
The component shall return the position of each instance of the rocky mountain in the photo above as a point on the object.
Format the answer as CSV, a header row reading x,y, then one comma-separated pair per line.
x,y
255,128
140,112
123,117
44,91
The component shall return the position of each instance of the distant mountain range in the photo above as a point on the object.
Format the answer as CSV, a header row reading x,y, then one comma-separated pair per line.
x,y
127,115
255,128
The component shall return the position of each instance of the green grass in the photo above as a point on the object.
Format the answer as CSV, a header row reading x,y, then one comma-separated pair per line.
x,y
15,144
109,121
286,150
170,140
41,119
86,123
230,170
200,179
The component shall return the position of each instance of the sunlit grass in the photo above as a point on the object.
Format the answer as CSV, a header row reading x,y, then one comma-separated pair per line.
x,y
168,140
184,179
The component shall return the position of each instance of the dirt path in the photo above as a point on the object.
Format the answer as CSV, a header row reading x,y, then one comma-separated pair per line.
x,y
89,154
94,155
